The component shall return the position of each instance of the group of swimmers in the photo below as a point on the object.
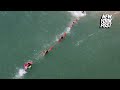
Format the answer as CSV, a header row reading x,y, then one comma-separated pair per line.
x,y
28,65
45,52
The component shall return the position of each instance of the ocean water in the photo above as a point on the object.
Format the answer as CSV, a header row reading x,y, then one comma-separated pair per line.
x,y
87,52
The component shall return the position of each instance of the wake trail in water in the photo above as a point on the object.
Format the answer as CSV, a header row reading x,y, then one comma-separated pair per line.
x,y
20,74
77,15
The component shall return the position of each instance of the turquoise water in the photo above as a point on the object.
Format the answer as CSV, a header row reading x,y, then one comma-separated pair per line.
x,y
86,52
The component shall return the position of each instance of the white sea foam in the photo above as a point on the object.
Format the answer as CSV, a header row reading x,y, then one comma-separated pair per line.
x,y
68,30
77,13
20,74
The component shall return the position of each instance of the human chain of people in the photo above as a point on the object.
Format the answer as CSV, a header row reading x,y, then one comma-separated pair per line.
x,y
105,20
28,65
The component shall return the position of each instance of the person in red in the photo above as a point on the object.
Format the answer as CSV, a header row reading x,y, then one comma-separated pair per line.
x,y
28,65
47,51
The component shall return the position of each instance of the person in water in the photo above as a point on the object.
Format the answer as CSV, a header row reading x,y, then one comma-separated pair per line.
x,y
74,22
47,51
29,65
62,37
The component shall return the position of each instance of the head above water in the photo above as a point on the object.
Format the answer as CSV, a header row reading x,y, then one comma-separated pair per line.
x,y
46,51
29,63
62,37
